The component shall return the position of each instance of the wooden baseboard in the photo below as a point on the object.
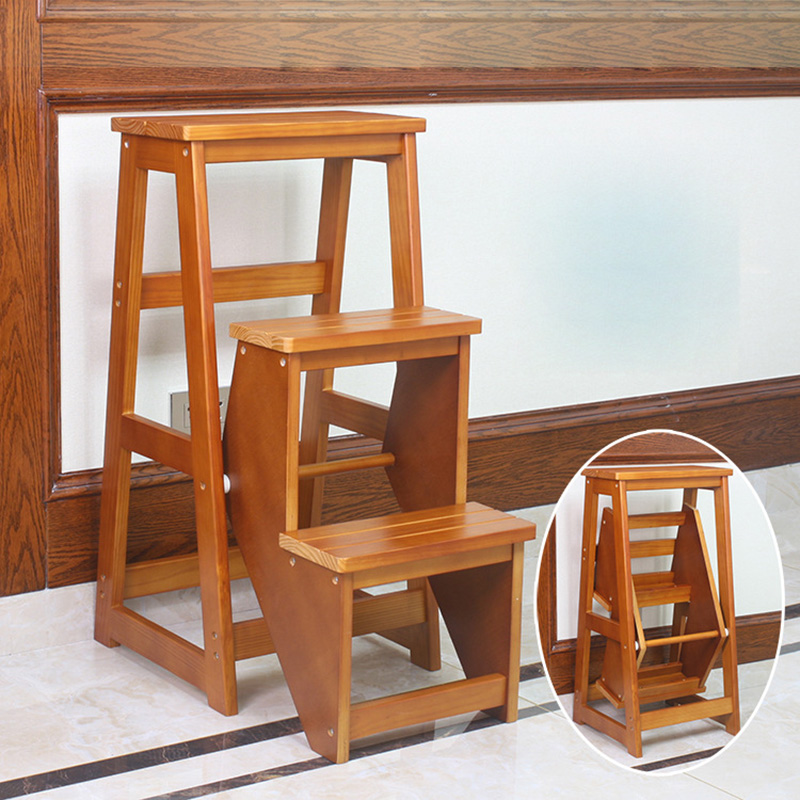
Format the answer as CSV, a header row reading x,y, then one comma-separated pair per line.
x,y
516,461
757,639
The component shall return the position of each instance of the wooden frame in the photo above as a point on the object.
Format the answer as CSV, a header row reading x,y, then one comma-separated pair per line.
x,y
72,55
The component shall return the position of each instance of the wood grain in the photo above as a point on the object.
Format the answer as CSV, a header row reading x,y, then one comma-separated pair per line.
x,y
24,350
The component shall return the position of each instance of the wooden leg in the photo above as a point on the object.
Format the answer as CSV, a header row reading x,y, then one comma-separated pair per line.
x,y
331,238
725,569
583,640
121,389
404,225
622,554
481,608
209,496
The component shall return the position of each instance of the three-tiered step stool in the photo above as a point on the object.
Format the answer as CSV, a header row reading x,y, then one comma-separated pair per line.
x,y
311,581
703,625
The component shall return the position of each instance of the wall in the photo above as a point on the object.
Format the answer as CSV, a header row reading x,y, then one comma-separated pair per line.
x,y
613,248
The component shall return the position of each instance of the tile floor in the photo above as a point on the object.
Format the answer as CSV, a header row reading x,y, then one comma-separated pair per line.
x,y
78,720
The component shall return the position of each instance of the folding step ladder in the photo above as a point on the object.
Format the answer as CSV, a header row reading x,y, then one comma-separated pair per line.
x,y
658,680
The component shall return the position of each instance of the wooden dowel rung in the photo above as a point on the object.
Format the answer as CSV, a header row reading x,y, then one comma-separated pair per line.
x,y
318,470
682,637
355,414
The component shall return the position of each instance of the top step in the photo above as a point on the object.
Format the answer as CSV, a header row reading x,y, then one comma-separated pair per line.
x,y
216,127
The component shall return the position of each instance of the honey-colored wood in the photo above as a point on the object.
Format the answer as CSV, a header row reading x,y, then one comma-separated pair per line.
x,y
422,705
163,289
183,146
466,556
276,125
354,329
698,633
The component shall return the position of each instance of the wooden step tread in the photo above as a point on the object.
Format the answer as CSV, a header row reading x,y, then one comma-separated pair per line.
x,y
354,329
667,472
658,589
401,538
210,127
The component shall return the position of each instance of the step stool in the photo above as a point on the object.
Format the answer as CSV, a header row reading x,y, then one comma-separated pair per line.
x,y
309,581
183,146
703,624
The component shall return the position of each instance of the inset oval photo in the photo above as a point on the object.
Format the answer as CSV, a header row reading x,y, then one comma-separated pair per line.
x,y
659,601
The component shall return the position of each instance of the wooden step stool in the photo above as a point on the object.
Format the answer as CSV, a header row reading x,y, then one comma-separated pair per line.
x,y
183,146
305,579
703,618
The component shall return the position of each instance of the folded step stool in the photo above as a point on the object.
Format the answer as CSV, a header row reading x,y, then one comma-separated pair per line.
x,y
703,623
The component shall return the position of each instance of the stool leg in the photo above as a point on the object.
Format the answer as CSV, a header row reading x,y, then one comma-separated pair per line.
x,y
583,640
332,233
404,225
731,721
121,390
622,554
201,358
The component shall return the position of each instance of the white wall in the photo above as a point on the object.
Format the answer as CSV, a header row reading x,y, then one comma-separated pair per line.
x,y
613,248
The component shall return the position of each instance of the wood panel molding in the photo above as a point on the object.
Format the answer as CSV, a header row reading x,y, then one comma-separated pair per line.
x,y
515,461
87,36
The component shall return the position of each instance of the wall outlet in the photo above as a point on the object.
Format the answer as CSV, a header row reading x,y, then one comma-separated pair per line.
x,y
180,413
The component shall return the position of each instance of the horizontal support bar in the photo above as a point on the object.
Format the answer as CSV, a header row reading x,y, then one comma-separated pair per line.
x,y
355,414
318,470
663,520
170,574
157,441
424,705
604,626
341,146
379,353
683,637
686,712
179,656
164,289
371,614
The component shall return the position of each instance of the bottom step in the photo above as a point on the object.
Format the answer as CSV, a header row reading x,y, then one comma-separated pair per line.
x,y
656,682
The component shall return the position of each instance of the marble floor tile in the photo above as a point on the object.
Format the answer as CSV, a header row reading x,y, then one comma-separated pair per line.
x,y
141,733
536,757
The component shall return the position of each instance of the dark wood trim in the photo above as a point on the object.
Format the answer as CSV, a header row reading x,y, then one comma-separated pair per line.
x,y
24,355
79,87
516,461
